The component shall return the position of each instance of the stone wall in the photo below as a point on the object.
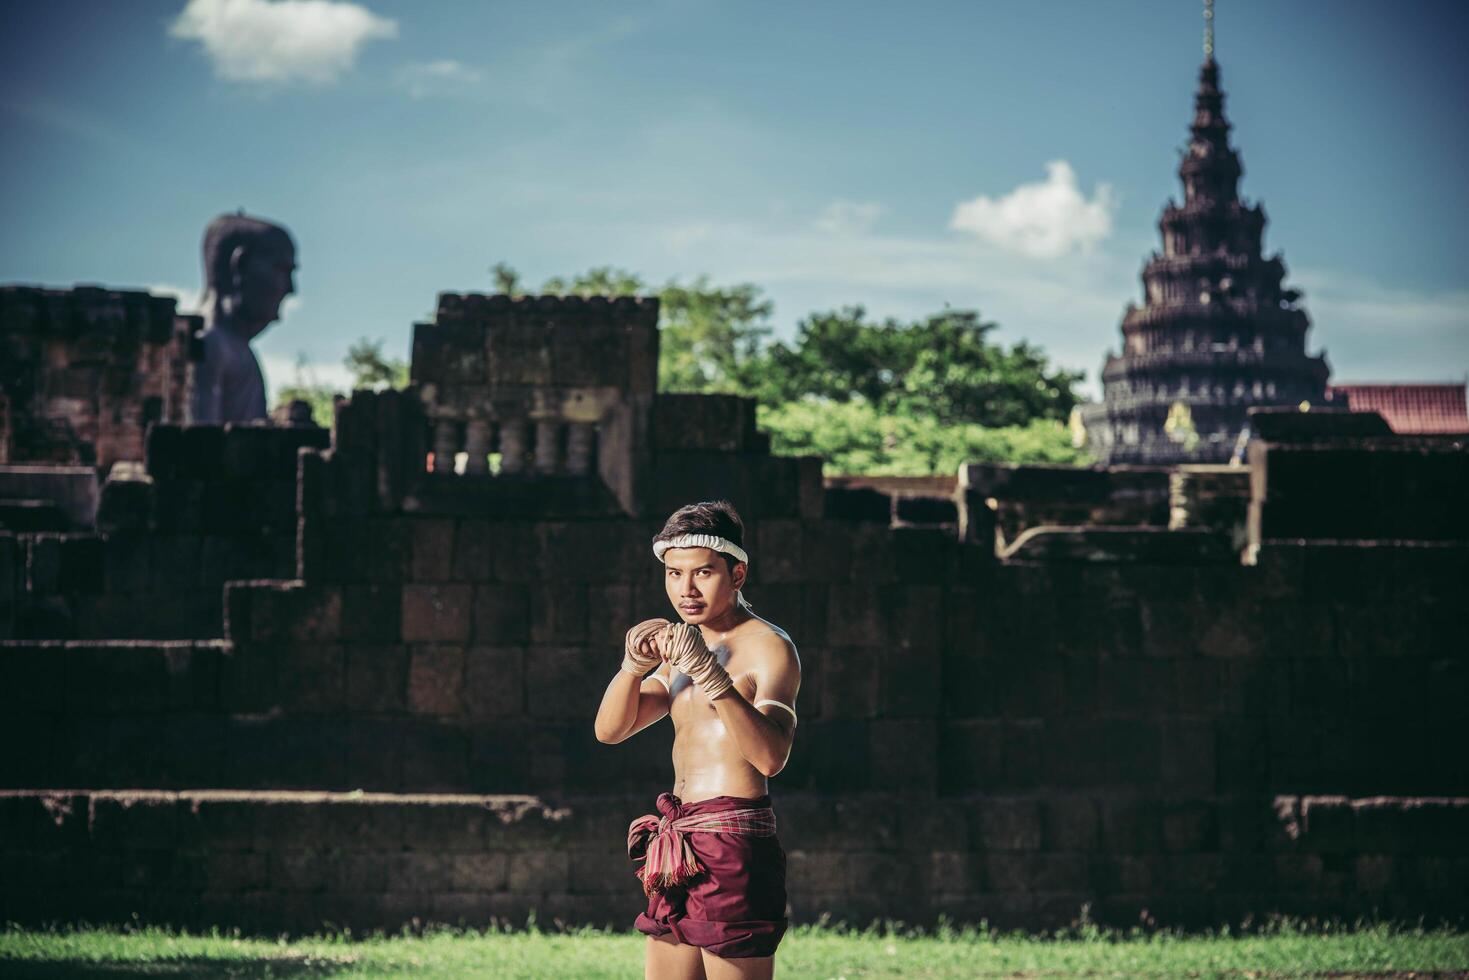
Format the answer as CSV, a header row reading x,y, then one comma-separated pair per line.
x,y
279,861
85,371
213,504
1109,715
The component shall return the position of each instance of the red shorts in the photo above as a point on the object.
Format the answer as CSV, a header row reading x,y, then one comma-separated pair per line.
x,y
737,906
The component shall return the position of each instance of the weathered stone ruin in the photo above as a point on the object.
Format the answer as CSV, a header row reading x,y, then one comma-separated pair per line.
x,y
384,710
85,371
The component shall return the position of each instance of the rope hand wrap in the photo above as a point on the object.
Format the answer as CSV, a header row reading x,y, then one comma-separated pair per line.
x,y
685,649
670,861
639,653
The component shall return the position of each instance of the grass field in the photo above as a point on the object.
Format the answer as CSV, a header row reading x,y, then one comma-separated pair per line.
x,y
1280,948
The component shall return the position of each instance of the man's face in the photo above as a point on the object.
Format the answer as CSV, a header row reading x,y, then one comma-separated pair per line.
x,y
267,277
699,583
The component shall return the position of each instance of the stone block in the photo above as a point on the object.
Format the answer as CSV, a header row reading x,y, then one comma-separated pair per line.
x,y
436,680
494,681
372,613
1189,826
939,825
904,755
955,873
125,677
132,821
722,423
838,755
1131,826
501,614
433,549
971,756
558,612
373,759
828,552
538,871
610,613
1126,752
360,874
1135,687
235,871
483,872
298,871
610,551
435,756
421,871
565,682
436,613
293,613
1069,823
851,683
376,678
999,824
1031,873
311,677
1187,757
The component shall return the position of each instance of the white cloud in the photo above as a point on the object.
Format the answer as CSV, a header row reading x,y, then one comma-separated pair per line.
x,y
848,217
280,40
1043,220
437,78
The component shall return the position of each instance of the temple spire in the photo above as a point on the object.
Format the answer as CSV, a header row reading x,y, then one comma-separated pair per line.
x,y
1218,331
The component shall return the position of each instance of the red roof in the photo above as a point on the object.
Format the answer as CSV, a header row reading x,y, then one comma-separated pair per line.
x,y
1411,409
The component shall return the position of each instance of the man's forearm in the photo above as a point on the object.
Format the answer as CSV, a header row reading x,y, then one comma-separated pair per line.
x,y
761,741
619,709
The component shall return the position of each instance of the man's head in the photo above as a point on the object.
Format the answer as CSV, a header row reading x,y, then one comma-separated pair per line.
x,y
701,576
249,269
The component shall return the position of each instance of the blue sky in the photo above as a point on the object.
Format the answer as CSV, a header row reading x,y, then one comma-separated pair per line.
x,y
1011,157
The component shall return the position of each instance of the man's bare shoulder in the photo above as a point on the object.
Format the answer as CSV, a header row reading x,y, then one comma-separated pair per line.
x,y
772,646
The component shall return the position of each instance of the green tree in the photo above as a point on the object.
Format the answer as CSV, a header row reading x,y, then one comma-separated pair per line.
x,y
372,369
709,336
304,387
602,280
942,367
857,438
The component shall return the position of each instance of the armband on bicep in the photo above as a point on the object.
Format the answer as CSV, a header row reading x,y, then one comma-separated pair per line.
x,y
764,701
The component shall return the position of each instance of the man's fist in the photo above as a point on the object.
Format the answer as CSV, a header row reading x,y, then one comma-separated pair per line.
x,y
640,649
683,647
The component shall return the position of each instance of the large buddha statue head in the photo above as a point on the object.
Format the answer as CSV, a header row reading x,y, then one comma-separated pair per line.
x,y
249,269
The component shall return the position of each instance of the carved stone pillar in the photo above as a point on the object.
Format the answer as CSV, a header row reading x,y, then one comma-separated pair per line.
x,y
546,455
512,446
477,447
446,444
579,448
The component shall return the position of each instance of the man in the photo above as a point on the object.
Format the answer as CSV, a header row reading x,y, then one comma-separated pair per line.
x,y
713,871
249,269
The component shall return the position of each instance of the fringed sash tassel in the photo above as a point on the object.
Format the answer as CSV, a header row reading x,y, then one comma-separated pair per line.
x,y
670,859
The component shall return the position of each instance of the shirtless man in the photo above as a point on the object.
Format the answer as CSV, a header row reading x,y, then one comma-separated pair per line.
x,y
714,871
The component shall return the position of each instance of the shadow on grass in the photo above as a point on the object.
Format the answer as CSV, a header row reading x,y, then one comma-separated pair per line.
x,y
188,966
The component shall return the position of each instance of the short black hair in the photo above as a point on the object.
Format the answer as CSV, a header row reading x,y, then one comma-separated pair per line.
x,y
717,517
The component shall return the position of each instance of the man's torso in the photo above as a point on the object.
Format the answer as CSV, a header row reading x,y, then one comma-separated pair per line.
x,y
706,760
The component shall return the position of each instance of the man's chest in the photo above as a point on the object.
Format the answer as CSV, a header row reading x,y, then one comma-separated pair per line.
x,y
689,705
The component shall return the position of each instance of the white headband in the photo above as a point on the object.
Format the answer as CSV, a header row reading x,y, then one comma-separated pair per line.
x,y
712,541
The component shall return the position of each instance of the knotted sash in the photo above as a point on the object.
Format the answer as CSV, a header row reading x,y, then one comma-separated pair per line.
x,y
670,860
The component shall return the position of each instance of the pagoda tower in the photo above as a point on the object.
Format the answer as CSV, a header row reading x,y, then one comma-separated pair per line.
x,y
1217,333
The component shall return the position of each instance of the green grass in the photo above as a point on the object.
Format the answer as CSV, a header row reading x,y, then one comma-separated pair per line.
x,y
1278,948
